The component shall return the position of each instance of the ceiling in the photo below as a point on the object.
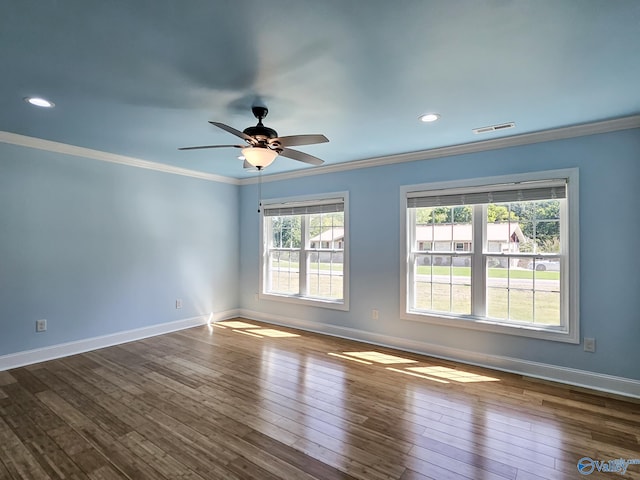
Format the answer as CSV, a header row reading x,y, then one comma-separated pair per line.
x,y
143,77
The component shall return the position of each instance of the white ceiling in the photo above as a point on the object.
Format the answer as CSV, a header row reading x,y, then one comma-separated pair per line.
x,y
143,77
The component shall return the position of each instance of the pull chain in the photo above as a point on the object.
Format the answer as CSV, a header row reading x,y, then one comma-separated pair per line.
x,y
259,189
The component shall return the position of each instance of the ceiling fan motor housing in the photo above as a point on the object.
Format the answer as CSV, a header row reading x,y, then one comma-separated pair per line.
x,y
261,132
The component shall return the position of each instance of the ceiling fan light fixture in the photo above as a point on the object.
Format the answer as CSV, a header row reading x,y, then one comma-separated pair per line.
x,y
259,157
429,117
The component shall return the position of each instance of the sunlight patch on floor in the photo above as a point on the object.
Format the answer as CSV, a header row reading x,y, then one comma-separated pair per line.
x,y
453,374
237,324
378,357
350,358
247,333
255,330
437,374
272,332
406,372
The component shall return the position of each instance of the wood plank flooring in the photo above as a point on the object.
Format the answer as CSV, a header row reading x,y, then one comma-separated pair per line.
x,y
244,400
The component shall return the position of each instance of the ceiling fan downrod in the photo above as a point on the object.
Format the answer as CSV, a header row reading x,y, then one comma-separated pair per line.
x,y
260,113
260,132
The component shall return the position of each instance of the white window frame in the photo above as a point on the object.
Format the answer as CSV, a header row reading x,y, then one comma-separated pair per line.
x,y
342,304
569,331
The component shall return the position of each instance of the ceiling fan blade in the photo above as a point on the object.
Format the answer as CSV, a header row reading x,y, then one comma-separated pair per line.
x,y
211,146
246,164
301,156
233,131
295,140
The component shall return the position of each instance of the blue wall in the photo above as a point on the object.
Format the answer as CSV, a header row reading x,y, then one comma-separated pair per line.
x,y
609,169
97,248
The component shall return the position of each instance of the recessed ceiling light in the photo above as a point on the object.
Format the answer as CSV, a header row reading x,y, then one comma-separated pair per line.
x,y
429,117
39,102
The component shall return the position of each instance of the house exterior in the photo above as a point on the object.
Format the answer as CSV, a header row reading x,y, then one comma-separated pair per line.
x,y
501,238
332,239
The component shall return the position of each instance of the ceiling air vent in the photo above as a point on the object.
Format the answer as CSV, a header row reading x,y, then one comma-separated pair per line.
x,y
494,128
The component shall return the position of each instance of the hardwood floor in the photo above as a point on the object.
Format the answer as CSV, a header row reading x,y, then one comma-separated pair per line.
x,y
244,400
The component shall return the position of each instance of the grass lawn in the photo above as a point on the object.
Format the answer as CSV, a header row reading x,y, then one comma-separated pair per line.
x,y
313,266
542,307
520,305
493,272
438,270
323,286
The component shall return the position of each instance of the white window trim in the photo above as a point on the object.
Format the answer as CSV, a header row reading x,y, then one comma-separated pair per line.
x,y
263,254
571,332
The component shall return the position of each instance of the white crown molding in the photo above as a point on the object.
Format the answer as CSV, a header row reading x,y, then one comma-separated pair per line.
x,y
581,378
28,357
63,148
605,126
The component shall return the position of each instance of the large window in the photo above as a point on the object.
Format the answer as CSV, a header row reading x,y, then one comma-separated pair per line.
x,y
304,254
499,256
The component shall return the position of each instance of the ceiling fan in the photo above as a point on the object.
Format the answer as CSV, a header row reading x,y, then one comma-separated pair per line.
x,y
264,144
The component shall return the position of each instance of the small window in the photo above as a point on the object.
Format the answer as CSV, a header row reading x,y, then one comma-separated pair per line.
x,y
305,251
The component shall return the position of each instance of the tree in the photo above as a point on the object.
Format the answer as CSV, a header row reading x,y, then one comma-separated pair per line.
x,y
322,222
423,215
287,232
500,213
540,222
550,245
440,215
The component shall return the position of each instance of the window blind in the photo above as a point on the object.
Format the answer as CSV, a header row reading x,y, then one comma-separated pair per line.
x,y
329,205
521,192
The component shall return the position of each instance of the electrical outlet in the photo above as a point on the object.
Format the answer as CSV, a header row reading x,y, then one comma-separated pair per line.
x,y
41,325
374,314
589,345
178,303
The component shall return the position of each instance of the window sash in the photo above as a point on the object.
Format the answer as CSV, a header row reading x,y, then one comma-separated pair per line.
x,y
305,210
479,270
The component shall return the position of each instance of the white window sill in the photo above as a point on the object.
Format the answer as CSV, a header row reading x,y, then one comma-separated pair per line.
x,y
557,334
307,301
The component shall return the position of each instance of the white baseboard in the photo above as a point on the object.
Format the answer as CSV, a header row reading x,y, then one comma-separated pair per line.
x,y
29,357
582,378
596,381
